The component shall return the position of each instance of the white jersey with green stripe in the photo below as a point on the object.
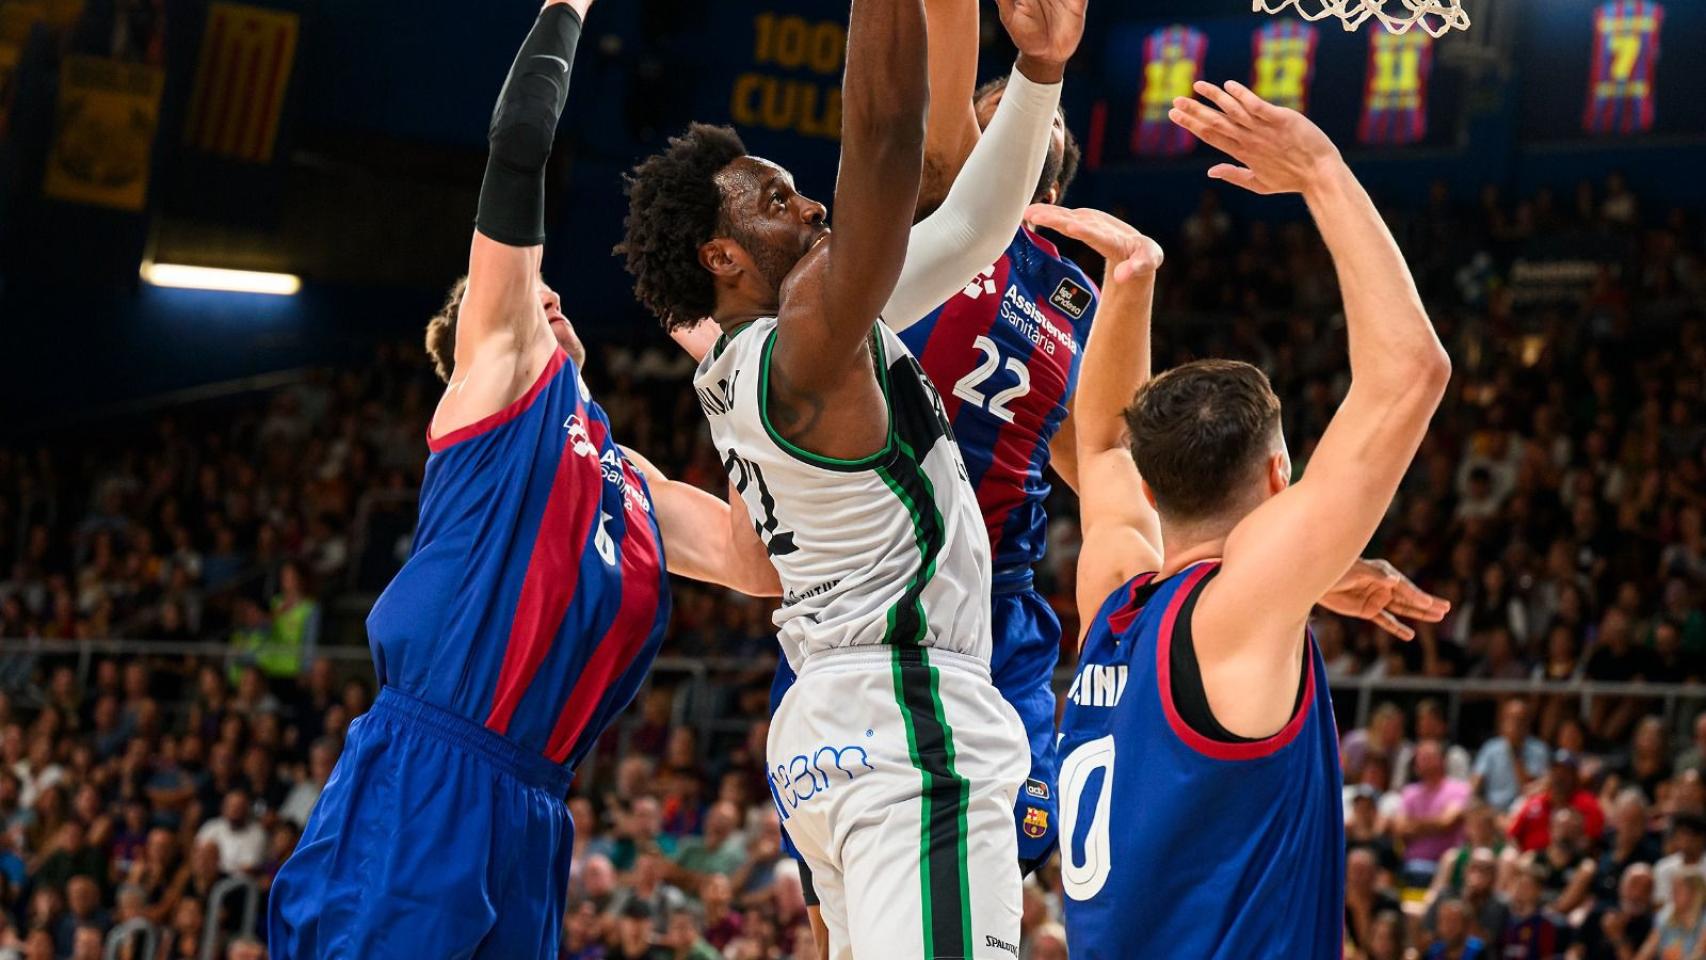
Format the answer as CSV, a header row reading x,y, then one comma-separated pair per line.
x,y
886,549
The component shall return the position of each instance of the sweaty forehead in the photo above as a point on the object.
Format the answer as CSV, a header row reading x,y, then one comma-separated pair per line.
x,y
747,174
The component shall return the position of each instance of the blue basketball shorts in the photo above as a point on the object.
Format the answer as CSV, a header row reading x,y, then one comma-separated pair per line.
x,y
435,837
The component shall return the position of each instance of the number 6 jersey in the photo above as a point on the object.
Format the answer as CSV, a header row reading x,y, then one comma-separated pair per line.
x,y
886,549
1176,843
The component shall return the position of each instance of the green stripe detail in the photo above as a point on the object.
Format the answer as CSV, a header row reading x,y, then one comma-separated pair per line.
x,y
801,453
908,621
944,874
926,811
962,808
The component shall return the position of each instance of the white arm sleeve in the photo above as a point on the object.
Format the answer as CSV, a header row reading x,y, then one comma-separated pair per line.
x,y
983,209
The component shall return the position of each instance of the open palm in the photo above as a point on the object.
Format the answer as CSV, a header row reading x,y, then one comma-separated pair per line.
x,y
1281,150
1045,29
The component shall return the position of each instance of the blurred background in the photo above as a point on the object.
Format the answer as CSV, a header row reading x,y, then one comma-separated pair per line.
x,y
202,491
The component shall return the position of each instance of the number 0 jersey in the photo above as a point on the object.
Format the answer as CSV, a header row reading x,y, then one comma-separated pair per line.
x,y
1005,353
1177,845
886,549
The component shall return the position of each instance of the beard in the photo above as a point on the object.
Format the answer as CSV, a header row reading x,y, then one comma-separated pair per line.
x,y
776,260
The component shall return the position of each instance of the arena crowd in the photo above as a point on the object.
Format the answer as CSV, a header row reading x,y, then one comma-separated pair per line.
x,y
1558,503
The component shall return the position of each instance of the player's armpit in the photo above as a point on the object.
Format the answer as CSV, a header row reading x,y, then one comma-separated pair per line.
x,y
1063,453
1110,555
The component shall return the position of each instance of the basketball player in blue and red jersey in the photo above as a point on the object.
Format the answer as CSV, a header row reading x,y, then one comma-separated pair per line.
x,y
1200,787
522,623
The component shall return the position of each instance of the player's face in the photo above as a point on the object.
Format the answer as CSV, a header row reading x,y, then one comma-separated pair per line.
x,y
772,223
559,323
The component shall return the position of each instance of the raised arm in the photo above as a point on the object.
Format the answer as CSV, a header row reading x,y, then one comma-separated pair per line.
x,y
1122,533
989,195
828,313
503,340
708,539
952,131
1287,554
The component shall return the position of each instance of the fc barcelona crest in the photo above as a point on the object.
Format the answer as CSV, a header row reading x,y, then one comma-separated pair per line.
x,y
1036,823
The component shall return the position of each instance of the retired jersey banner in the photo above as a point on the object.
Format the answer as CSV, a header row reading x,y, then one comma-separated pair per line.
x,y
1395,94
108,110
1172,61
247,54
1625,57
1284,63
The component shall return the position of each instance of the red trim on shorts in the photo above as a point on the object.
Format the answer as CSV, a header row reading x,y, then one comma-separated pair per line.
x,y
485,425
1214,749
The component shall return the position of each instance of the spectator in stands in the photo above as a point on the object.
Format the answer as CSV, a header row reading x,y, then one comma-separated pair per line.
x,y
686,941
634,932
720,850
1531,827
1365,898
1688,859
1629,841
1680,930
242,842
305,792
1432,815
1509,762
1692,757
1615,659
646,886
1454,941
1384,736
1532,933
1431,724
1617,928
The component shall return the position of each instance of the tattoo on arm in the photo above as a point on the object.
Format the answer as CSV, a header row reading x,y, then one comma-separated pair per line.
x,y
794,409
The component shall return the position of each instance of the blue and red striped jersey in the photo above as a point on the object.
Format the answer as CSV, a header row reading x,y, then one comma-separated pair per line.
x,y
1173,844
1004,353
534,598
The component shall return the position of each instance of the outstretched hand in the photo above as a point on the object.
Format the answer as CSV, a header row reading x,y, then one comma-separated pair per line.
x,y
1047,30
1375,591
1281,150
1128,252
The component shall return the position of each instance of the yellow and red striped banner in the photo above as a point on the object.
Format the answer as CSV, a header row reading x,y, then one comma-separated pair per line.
x,y
246,58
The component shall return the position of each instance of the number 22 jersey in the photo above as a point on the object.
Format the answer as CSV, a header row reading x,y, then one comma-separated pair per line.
x,y
1177,845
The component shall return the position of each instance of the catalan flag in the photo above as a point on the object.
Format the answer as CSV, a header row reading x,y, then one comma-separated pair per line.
x,y
246,58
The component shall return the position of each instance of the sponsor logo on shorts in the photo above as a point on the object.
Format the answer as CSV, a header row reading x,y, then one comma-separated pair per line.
x,y
1036,823
1071,298
1036,789
807,775
1001,944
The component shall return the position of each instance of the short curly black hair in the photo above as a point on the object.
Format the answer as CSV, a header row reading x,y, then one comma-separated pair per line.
x,y
674,208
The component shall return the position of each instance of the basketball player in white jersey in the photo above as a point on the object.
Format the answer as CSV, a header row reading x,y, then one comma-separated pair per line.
x,y
894,761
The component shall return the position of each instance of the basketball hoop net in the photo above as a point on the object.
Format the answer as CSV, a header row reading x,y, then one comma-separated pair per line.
x,y
1437,17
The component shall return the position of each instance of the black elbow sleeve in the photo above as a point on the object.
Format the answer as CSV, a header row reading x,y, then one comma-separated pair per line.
x,y
512,196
